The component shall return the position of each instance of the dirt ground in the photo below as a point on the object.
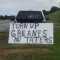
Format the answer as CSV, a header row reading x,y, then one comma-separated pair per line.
x,y
4,52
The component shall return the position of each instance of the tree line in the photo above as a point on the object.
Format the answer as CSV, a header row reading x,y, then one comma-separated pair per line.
x,y
53,9
6,17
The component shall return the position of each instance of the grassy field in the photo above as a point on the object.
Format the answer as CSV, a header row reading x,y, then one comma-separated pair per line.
x,y
30,52
54,17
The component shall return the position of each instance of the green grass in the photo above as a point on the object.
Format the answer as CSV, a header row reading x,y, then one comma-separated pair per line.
x,y
54,17
40,52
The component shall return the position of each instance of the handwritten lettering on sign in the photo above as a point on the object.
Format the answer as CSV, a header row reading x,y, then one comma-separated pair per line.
x,y
31,33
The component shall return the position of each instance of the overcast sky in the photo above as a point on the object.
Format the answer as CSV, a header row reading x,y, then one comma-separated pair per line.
x,y
12,7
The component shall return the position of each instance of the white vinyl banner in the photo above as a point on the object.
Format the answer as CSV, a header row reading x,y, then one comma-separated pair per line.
x,y
31,33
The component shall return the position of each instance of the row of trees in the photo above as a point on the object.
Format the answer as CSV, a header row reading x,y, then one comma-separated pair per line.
x,y
53,9
6,17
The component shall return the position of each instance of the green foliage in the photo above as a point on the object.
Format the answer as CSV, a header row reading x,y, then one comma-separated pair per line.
x,y
46,12
54,17
54,9
6,17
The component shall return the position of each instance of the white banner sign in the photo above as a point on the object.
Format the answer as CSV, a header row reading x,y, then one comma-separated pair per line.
x,y
31,33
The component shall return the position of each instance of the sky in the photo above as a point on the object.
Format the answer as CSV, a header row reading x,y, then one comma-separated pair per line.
x,y
12,7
